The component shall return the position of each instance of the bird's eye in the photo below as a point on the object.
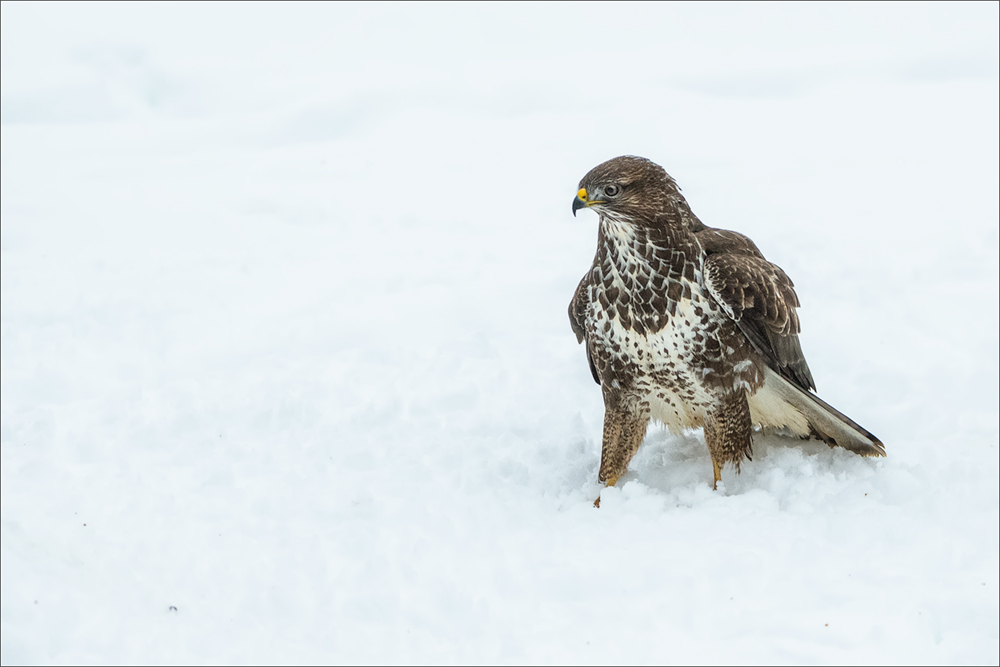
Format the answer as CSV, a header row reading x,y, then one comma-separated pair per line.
x,y
612,191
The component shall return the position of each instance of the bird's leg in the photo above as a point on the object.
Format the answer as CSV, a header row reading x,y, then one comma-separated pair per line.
x,y
717,470
729,433
623,433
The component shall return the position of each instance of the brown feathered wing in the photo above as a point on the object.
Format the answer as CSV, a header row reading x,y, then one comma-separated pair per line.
x,y
577,315
761,299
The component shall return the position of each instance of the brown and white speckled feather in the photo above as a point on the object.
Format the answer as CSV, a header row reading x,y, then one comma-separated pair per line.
x,y
759,297
690,326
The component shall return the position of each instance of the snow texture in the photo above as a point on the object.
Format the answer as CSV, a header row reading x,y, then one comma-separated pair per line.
x,y
287,374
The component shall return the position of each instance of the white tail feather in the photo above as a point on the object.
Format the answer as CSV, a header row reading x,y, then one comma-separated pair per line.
x,y
828,423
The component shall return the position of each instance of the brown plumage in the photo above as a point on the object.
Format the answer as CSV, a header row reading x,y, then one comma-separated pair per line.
x,y
691,326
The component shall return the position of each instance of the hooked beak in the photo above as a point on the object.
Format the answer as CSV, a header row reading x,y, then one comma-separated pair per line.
x,y
582,200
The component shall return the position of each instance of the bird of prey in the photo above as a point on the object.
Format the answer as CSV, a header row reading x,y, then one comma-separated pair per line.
x,y
690,326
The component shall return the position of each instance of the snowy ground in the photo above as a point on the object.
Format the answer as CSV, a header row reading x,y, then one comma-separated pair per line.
x,y
287,373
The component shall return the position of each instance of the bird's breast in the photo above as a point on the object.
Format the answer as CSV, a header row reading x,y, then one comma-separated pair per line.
x,y
651,320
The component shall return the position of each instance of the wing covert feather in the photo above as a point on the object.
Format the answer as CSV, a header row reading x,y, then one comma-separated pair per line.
x,y
577,315
760,298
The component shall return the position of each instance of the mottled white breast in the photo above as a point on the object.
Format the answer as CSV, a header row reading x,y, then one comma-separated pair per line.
x,y
665,374
667,377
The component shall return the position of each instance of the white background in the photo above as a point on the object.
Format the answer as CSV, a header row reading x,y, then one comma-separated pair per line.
x,y
287,373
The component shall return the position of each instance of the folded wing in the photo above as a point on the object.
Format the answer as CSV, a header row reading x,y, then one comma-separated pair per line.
x,y
760,297
762,300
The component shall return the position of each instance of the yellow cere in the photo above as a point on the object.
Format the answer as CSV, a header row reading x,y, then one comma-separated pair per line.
x,y
582,194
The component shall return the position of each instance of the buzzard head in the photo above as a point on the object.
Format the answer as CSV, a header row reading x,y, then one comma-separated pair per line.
x,y
627,187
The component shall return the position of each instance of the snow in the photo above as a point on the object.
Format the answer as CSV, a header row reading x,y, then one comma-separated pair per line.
x,y
287,374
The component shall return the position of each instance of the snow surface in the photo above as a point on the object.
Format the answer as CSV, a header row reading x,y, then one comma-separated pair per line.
x,y
287,374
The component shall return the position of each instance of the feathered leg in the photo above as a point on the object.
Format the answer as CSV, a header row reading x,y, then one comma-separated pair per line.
x,y
729,433
623,433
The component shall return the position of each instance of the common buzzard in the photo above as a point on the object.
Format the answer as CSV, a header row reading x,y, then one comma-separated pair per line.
x,y
690,326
